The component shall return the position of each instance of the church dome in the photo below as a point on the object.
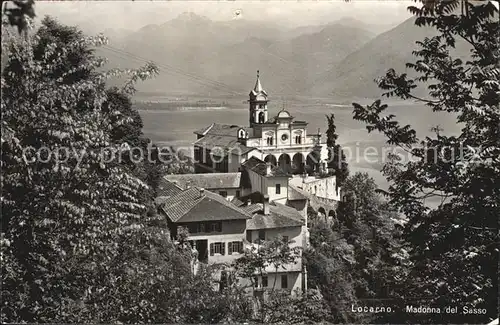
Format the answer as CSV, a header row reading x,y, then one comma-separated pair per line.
x,y
284,114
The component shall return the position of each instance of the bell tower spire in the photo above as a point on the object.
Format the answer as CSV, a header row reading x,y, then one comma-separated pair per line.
x,y
258,86
258,103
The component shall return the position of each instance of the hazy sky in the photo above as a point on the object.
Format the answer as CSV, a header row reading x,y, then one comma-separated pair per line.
x,y
101,15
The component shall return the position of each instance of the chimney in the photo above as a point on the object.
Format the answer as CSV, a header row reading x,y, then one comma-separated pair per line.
x,y
202,192
266,204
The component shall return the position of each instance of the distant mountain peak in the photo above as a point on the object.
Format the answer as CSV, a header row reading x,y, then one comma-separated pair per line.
x,y
346,20
190,16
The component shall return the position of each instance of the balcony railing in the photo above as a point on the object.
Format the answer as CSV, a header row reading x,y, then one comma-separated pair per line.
x,y
308,141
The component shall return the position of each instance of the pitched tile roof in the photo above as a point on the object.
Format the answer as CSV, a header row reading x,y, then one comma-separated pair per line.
x,y
260,167
192,205
165,190
160,200
280,216
223,136
206,180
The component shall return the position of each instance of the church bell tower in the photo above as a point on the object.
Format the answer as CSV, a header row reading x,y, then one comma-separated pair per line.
x,y
258,104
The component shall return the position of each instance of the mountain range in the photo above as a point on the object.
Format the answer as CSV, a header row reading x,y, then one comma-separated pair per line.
x,y
354,75
199,56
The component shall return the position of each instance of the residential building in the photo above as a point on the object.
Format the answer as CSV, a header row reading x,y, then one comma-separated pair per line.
x,y
216,227
220,231
266,179
272,220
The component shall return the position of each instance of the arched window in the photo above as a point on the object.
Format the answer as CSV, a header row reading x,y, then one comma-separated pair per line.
x,y
269,138
261,117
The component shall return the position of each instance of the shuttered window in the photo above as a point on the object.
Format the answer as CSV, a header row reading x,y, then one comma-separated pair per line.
x,y
217,248
235,247
238,246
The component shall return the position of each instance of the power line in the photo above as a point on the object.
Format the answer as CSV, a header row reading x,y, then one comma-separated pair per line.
x,y
166,66
170,69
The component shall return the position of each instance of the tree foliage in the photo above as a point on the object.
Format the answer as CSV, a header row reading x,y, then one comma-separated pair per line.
x,y
278,306
454,246
337,163
370,225
19,13
80,241
354,261
328,263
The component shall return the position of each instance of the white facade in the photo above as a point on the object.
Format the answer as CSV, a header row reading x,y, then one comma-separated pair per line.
x,y
275,187
325,187
293,271
279,140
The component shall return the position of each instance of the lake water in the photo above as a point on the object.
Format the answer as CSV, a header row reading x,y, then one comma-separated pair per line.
x,y
365,150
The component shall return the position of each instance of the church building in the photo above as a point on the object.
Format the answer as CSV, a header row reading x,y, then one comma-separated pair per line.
x,y
252,183
280,141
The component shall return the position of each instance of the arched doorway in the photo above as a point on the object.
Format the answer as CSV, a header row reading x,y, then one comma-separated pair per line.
x,y
331,216
284,163
271,159
298,163
312,162
261,117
